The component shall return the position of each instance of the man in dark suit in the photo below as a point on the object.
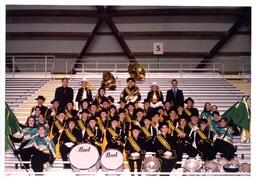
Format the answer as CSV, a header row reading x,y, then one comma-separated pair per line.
x,y
175,95
64,94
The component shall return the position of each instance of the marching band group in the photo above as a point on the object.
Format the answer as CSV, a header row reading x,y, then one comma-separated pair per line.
x,y
166,128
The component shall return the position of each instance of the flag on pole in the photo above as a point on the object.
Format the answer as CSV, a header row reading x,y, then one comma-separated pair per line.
x,y
11,125
240,113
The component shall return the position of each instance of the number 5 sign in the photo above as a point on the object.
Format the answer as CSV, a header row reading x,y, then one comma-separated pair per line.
x,y
158,48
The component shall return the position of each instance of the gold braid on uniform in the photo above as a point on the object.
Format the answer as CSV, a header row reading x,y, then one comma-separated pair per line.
x,y
164,142
145,131
134,144
70,135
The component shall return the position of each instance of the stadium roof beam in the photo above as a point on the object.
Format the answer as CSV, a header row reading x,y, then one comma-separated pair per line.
x,y
223,40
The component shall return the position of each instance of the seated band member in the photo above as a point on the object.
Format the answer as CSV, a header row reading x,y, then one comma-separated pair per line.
x,y
39,149
122,104
52,112
148,133
93,134
58,126
168,106
224,140
190,107
135,149
164,145
43,121
94,109
146,107
83,93
83,121
70,136
28,131
131,93
37,112
124,123
155,96
194,126
40,101
207,112
112,111
114,135
204,139
100,95
183,141
84,104
139,117
70,111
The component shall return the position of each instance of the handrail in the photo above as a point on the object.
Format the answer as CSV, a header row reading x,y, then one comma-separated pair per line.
x,y
47,64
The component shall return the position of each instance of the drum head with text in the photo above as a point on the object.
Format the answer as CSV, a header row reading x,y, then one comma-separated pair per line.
x,y
112,159
84,156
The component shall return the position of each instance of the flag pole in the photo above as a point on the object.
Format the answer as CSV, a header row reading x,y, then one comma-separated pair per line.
x,y
14,149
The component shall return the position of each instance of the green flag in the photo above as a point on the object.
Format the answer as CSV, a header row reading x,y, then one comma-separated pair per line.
x,y
11,125
239,113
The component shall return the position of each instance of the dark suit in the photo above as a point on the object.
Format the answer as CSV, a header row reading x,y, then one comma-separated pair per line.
x,y
64,95
177,99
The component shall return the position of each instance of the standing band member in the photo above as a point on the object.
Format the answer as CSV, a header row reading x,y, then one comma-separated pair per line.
x,y
64,94
83,93
52,112
155,96
165,150
135,149
175,95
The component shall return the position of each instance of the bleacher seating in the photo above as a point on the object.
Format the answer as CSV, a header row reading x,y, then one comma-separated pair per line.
x,y
18,90
206,88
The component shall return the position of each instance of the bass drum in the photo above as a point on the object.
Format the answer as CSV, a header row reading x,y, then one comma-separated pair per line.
x,y
84,157
151,164
112,160
192,165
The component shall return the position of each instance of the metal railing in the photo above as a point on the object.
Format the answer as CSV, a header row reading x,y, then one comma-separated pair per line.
x,y
48,64
36,64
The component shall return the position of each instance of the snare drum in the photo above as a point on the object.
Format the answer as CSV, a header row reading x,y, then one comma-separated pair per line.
x,y
84,157
112,160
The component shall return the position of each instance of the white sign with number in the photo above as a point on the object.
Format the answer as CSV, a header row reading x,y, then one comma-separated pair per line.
x,y
158,48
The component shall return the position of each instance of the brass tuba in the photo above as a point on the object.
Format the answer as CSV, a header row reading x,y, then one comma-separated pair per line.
x,y
136,71
108,80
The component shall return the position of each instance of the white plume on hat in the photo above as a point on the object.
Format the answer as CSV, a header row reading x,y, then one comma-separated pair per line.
x,y
154,83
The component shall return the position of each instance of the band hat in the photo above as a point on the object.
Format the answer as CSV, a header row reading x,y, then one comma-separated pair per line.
x,y
55,100
154,83
40,97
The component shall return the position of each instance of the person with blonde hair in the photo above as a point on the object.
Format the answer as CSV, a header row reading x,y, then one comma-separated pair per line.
x,y
155,96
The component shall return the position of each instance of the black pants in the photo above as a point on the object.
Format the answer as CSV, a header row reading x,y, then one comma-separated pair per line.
x,y
37,160
168,165
227,149
132,163
185,148
64,151
207,151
